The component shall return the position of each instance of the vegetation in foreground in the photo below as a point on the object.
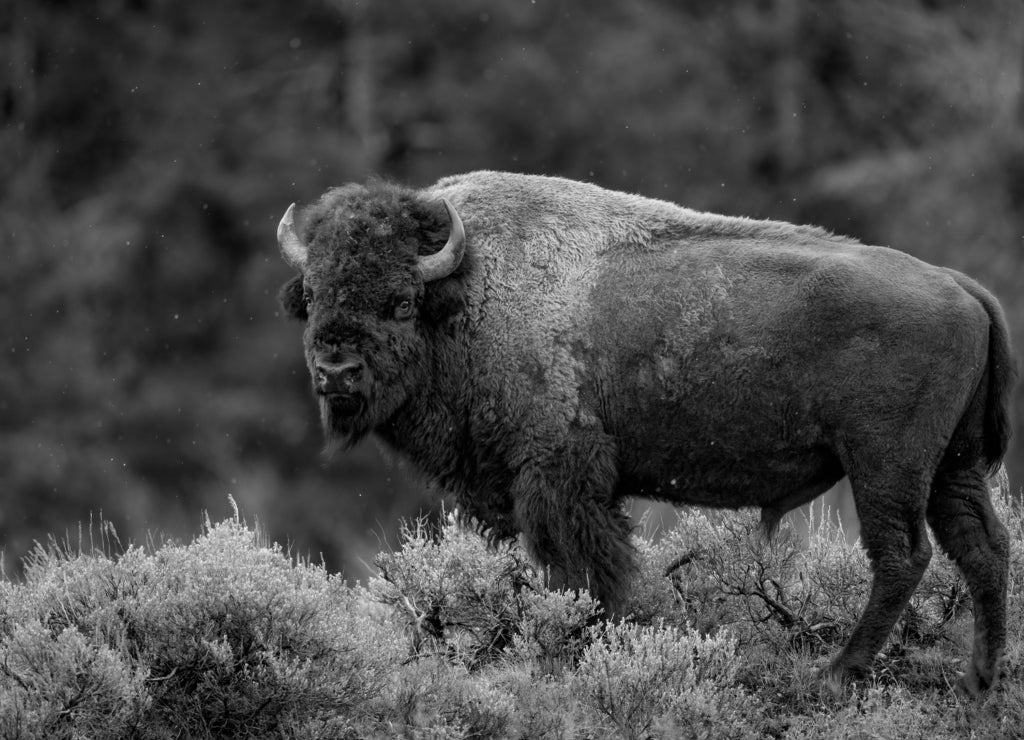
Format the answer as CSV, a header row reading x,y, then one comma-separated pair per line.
x,y
229,636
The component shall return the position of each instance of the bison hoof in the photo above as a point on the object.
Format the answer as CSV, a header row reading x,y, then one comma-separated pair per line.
x,y
835,679
832,681
974,684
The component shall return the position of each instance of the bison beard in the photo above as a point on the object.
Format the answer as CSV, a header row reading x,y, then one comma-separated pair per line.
x,y
348,417
571,347
345,422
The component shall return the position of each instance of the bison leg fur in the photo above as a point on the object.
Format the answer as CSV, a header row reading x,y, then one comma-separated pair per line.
x,y
575,529
965,525
896,540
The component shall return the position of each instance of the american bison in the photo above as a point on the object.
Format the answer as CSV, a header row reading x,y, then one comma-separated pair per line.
x,y
544,348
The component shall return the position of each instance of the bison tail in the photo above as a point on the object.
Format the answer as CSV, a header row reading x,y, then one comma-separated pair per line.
x,y
1002,374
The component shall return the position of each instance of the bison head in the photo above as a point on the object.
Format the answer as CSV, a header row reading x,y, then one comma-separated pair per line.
x,y
364,260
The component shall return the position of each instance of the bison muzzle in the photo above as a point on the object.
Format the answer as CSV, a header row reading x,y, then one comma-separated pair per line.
x,y
544,349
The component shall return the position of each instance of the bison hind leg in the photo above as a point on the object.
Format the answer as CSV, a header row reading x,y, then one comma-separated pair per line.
x,y
891,508
961,515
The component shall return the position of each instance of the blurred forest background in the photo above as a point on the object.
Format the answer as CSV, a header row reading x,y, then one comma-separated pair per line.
x,y
149,148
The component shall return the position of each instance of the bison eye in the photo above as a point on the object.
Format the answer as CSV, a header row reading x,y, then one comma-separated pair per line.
x,y
403,309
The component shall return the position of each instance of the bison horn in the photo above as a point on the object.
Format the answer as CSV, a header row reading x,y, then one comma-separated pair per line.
x,y
443,263
292,248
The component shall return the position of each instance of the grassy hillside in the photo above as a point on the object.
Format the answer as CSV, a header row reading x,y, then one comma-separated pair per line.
x,y
229,636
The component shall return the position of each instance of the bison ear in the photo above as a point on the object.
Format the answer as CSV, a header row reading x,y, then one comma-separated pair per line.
x,y
292,300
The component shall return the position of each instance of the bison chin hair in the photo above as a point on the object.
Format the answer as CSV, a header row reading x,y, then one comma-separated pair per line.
x,y
343,429
346,420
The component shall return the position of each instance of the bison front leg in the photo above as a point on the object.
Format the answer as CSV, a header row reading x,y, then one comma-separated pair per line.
x,y
572,525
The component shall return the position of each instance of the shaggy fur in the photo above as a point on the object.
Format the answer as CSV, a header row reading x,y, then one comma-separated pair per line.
x,y
595,345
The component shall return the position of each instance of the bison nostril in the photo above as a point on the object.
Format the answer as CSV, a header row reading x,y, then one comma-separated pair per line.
x,y
321,376
338,377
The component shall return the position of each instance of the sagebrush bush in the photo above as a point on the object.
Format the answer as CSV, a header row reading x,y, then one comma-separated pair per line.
x,y
224,637
228,636
456,595
720,569
62,684
440,699
241,639
553,628
635,675
877,712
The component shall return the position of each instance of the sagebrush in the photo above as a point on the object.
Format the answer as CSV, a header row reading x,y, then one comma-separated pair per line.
x,y
230,636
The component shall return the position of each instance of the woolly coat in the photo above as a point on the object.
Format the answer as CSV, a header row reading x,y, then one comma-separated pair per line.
x,y
594,345
713,360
